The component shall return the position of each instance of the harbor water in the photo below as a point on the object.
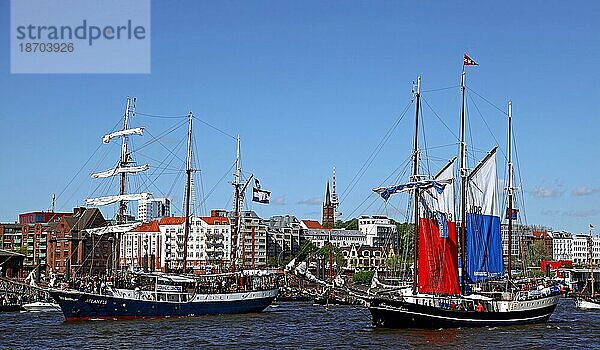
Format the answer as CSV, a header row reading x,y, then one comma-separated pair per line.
x,y
291,325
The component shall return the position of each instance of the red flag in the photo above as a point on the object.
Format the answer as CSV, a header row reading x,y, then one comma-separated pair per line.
x,y
469,62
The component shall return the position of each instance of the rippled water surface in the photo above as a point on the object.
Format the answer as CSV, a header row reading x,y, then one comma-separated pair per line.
x,y
292,325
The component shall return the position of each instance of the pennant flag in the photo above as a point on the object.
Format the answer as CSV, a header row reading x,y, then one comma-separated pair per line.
x,y
467,61
258,195
512,215
591,226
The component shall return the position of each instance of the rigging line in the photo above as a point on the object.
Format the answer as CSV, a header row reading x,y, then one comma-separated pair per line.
x,y
487,125
215,128
441,89
161,116
210,192
373,155
488,101
425,143
86,162
440,118
170,151
158,137
520,178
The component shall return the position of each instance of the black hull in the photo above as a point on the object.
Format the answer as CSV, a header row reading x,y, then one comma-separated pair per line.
x,y
399,314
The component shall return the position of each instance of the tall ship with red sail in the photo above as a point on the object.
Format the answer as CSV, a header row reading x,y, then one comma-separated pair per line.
x,y
459,277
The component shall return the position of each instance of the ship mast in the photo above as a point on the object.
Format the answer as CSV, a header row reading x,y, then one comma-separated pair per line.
x,y
123,162
463,183
510,190
591,259
415,178
188,186
239,190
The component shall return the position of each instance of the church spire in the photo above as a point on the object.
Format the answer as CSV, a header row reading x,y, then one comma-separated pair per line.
x,y
328,210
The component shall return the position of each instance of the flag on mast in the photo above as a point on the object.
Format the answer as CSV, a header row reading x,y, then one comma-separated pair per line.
x,y
258,195
468,61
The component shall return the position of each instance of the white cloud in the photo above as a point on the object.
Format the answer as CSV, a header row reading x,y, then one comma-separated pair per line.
x,y
546,192
310,201
584,191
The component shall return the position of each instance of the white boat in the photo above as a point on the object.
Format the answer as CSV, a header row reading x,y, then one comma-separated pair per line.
x,y
585,304
41,306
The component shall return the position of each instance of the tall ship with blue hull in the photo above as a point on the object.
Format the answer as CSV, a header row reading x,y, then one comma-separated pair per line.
x,y
445,293
131,295
170,296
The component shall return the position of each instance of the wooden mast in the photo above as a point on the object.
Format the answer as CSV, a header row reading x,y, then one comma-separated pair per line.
x,y
123,161
463,187
415,178
188,171
510,190
236,206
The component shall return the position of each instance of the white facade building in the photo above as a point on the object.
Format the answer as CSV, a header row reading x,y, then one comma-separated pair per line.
x,y
380,231
161,244
562,246
142,248
581,249
339,237
153,208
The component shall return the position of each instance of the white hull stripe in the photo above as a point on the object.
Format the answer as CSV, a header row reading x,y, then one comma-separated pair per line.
x,y
461,319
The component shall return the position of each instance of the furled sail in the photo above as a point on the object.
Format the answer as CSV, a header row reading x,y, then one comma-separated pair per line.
x,y
113,228
483,236
114,199
119,170
386,192
438,260
126,132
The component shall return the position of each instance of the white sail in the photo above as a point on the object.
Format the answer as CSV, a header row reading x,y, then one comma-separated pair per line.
x,y
135,131
113,199
113,228
119,170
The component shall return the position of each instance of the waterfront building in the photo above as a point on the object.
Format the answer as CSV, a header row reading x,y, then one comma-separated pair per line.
x,y
365,257
153,208
36,217
252,238
209,241
141,248
74,251
562,247
379,230
11,264
338,237
284,233
581,249
36,237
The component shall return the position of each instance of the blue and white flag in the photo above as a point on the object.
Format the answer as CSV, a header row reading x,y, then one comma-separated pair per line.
x,y
258,195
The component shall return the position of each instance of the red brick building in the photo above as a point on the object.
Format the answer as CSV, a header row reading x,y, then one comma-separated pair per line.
x,y
74,251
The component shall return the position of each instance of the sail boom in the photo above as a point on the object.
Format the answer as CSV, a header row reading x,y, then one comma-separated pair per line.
x,y
120,170
114,199
126,132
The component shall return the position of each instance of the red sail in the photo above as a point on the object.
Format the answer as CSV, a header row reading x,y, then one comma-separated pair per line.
x,y
438,258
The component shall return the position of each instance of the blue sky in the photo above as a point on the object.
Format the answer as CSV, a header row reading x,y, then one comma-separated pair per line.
x,y
311,84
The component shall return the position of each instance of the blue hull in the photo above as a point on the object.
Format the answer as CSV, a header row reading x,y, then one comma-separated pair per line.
x,y
85,306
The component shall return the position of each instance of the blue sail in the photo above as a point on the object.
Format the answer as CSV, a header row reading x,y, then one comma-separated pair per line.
x,y
483,236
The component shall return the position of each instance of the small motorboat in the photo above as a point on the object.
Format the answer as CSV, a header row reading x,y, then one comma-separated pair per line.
x,y
41,306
